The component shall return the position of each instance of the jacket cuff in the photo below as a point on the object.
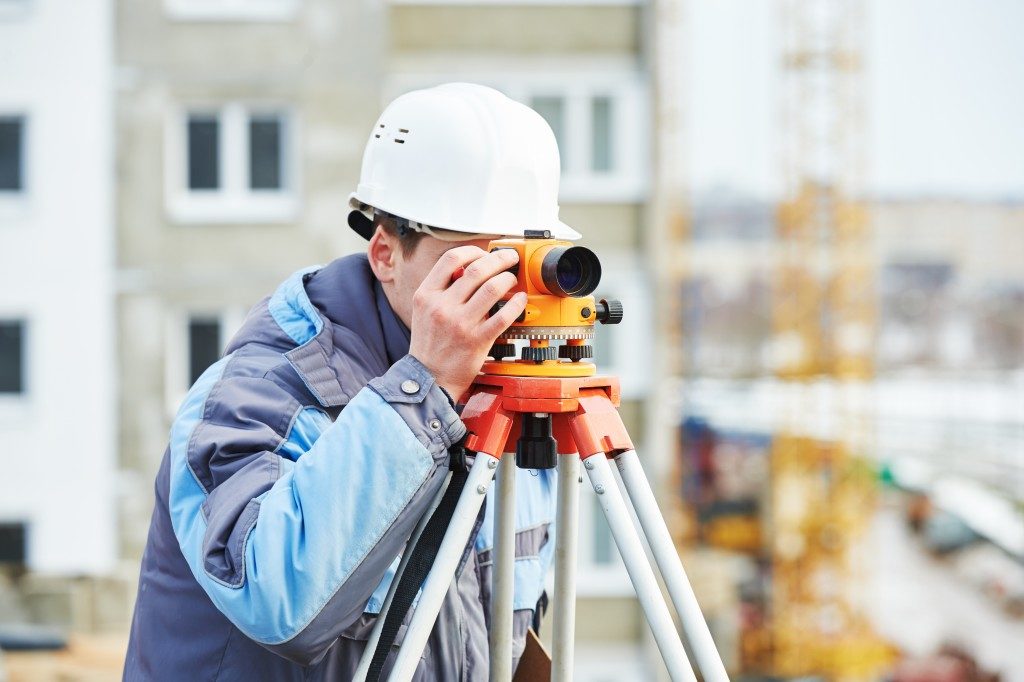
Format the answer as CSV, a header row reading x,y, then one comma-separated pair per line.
x,y
411,390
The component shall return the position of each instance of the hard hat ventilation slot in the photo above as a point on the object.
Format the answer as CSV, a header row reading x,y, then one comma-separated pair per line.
x,y
377,135
403,130
399,141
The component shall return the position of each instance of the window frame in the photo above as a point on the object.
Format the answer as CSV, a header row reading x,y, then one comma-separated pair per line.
x,y
231,10
234,201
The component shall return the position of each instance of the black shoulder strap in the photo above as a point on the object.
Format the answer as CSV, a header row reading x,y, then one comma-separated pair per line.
x,y
422,559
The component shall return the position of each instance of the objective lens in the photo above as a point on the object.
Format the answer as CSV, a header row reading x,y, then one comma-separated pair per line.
x,y
571,271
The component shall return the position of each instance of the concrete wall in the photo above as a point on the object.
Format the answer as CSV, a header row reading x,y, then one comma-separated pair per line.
x,y
321,63
538,29
56,251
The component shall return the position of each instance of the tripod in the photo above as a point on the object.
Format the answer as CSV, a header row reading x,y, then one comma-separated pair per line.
x,y
575,418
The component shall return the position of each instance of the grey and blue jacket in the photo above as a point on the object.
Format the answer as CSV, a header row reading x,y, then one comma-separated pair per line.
x,y
297,468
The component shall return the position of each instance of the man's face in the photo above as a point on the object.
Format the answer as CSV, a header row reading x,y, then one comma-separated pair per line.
x,y
410,271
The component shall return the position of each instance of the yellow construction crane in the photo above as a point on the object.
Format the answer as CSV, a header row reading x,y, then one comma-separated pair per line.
x,y
824,321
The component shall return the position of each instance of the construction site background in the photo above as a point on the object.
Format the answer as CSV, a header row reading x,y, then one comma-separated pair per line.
x,y
812,210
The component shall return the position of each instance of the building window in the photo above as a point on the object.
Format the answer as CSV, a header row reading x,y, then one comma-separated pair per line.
x,y
195,338
12,357
231,10
601,154
265,138
204,345
599,113
232,164
13,544
203,152
12,153
553,111
601,160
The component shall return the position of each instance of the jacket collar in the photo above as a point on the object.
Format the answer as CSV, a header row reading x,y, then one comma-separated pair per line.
x,y
344,327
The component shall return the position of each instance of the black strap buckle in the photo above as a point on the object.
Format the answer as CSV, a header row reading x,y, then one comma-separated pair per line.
x,y
458,457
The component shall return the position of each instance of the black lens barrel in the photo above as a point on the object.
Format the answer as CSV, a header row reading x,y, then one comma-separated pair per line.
x,y
571,271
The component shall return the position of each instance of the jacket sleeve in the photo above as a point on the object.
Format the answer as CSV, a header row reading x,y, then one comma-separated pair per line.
x,y
289,522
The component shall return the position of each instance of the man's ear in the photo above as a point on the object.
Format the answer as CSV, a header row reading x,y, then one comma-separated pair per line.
x,y
383,252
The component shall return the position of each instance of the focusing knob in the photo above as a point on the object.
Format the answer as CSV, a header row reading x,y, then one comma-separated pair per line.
x,y
540,353
609,312
575,353
502,350
501,304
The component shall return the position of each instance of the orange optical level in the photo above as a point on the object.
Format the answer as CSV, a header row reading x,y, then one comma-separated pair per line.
x,y
559,279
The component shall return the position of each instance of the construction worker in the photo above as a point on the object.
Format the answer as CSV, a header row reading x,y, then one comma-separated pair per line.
x,y
299,463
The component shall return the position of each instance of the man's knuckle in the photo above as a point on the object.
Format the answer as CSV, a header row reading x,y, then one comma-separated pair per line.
x,y
437,313
493,288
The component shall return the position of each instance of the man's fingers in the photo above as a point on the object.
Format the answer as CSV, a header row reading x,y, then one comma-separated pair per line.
x,y
503,319
489,293
482,270
440,276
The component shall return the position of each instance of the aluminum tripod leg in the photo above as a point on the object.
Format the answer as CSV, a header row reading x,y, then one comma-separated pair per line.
x,y
566,547
503,571
638,488
371,645
435,587
639,568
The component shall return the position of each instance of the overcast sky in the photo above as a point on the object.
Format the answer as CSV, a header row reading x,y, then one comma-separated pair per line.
x,y
945,90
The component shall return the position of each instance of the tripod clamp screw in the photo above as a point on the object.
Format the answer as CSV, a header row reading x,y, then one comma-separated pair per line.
x,y
599,489
481,489
588,464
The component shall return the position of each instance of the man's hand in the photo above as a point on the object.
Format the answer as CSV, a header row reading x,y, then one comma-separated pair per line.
x,y
451,332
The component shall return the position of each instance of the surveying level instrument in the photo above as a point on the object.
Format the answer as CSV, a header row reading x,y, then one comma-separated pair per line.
x,y
563,414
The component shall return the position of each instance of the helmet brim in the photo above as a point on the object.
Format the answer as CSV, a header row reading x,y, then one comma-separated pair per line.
x,y
362,225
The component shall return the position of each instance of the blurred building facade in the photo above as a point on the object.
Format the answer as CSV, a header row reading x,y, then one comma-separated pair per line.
x,y
949,289
57,346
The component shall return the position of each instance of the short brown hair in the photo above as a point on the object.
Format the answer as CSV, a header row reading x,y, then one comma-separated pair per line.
x,y
408,239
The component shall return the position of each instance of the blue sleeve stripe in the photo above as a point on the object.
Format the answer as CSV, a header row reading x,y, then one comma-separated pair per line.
x,y
292,310
315,525
306,428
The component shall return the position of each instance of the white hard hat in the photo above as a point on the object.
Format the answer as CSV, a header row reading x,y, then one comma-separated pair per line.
x,y
464,158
